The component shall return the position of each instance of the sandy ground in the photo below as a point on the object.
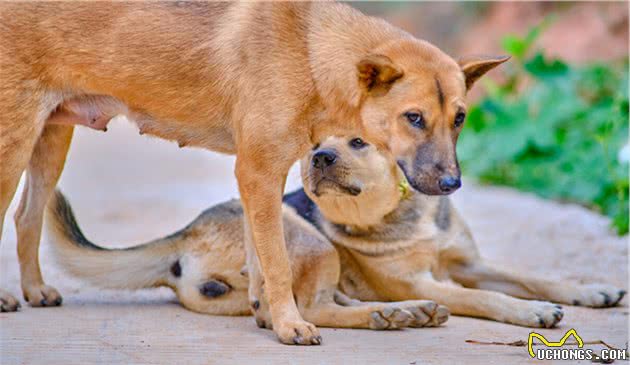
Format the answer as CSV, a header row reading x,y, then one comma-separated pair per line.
x,y
127,189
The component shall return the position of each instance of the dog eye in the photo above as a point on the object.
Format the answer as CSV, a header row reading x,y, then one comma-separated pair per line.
x,y
357,143
459,119
415,119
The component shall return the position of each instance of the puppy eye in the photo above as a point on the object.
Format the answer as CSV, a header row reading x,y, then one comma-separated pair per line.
x,y
316,147
415,119
357,143
459,119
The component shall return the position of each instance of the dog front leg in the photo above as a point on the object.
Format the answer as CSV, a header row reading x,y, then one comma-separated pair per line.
x,y
261,183
482,275
486,304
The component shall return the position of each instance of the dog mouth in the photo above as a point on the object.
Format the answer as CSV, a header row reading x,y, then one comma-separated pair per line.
x,y
326,185
422,188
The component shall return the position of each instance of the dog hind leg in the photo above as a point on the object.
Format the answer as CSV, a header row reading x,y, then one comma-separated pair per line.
x,y
481,275
43,171
21,122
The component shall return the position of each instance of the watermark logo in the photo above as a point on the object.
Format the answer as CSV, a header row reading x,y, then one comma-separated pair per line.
x,y
559,351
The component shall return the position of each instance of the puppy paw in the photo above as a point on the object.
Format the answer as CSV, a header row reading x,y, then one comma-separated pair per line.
x,y
538,314
8,303
390,318
427,313
297,332
42,296
598,296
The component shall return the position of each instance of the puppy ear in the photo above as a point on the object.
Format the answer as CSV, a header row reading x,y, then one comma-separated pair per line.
x,y
377,74
475,67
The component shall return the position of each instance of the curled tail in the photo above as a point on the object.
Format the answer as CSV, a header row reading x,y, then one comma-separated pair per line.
x,y
147,265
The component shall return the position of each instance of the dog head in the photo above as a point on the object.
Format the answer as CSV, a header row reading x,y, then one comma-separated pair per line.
x,y
351,181
413,103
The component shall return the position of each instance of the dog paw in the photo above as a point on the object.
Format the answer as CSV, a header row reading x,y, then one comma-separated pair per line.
x,y
427,313
42,296
539,314
298,332
598,296
8,303
390,318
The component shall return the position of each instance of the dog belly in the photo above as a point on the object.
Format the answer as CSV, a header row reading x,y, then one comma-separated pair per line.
x,y
96,111
90,111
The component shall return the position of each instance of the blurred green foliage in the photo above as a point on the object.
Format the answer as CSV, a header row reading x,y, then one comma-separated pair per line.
x,y
553,129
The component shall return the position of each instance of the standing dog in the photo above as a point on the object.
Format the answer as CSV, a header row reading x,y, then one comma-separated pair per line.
x,y
204,264
259,80
394,245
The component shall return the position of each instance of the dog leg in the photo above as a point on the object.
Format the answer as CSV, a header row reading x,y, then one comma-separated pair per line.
x,y
43,172
258,305
261,183
19,129
426,313
486,304
484,276
382,316
8,303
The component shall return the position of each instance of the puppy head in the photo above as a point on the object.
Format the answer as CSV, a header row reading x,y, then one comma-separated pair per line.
x,y
351,181
413,103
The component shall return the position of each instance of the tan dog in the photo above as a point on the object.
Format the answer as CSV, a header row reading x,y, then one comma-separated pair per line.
x,y
406,246
264,81
204,264
393,244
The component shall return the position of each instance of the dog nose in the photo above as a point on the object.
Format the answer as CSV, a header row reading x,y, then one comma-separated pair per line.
x,y
449,184
324,158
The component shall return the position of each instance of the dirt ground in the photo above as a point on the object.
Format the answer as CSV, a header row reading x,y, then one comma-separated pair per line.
x,y
127,189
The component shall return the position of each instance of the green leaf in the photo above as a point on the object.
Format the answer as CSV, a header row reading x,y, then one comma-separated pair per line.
x,y
541,68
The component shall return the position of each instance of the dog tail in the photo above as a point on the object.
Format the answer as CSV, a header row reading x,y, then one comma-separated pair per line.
x,y
147,265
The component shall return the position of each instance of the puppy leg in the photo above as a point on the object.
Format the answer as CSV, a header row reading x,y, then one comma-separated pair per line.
x,y
484,276
382,316
487,304
261,182
257,303
426,313
43,172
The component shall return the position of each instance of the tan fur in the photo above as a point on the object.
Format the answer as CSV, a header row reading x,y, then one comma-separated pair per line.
x,y
210,253
418,249
421,249
263,81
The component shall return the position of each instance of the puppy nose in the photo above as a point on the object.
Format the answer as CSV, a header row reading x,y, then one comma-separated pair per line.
x,y
449,184
324,158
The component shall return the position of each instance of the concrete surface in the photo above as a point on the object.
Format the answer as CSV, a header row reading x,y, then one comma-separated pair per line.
x,y
127,189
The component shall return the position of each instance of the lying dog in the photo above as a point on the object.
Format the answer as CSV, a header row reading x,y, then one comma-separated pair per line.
x,y
417,246
264,81
204,264
394,245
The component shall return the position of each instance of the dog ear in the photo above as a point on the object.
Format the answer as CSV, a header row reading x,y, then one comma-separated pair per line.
x,y
377,74
475,67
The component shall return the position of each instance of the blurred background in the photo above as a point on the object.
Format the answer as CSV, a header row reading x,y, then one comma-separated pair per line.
x,y
544,155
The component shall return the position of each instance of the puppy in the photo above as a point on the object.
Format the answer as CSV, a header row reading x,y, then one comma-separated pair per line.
x,y
264,81
398,244
204,264
393,244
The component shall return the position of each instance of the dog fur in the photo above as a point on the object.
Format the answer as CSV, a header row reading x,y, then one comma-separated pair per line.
x,y
394,248
391,246
204,264
264,81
